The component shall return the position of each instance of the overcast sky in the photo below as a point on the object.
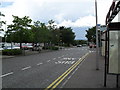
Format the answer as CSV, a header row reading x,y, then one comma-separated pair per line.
x,y
70,13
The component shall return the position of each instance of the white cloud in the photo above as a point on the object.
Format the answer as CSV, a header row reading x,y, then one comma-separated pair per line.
x,y
59,17
63,11
71,13
86,21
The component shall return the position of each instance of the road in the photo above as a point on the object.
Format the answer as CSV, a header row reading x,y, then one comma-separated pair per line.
x,y
40,70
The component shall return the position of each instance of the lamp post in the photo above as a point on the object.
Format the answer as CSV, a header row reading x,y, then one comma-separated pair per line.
x,y
97,61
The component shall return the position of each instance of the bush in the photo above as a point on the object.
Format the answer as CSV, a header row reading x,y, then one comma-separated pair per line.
x,y
54,48
12,52
51,48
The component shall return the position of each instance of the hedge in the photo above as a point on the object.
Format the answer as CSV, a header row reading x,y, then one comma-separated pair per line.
x,y
12,52
54,48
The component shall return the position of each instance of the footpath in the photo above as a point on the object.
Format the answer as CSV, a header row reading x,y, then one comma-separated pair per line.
x,y
88,77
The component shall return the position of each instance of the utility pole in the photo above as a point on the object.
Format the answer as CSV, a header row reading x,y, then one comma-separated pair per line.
x,y
97,60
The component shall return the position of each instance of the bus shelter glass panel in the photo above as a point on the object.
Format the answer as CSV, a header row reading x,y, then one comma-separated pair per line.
x,y
114,52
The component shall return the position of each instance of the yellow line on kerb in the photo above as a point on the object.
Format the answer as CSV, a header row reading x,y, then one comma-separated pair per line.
x,y
65,74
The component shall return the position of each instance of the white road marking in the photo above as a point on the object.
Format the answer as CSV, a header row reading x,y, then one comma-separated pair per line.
x,y
26,68
69,58
48,61
54,58
56,62
67,62
59,57
72,62
64,83
64,62
73,73
69,77
39,63
6,74
62,55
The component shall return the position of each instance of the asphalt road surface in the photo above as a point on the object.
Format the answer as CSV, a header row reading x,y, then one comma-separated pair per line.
x,y
41,70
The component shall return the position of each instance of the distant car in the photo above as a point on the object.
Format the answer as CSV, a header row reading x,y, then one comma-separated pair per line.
x,y
16,47
24,46
79,45
1,49
37,48
13,47
29,47
94,46
90,46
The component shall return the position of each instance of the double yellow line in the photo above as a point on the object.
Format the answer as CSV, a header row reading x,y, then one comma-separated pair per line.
x,y
65,74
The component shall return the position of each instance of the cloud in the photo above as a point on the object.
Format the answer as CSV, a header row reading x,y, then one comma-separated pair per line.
x,y
46,9
86,21
70,13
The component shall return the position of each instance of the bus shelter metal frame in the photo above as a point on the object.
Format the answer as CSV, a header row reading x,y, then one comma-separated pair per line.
x,y
111,27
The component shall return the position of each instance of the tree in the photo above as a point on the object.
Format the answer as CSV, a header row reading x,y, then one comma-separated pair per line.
x,y
80,42
1,22
67,36
41,32
19,30
91,34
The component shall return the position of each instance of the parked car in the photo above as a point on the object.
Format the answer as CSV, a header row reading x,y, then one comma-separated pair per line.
x,y
24,46
37,48
1,49
30,47
94,46
79,45
90,46
13,47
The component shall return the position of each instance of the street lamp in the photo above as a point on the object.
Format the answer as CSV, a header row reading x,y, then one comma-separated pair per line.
x,y
97,61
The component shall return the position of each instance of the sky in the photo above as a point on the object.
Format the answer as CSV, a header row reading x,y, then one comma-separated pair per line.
x,y
70,13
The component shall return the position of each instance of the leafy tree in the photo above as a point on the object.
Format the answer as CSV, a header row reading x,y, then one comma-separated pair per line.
x,y
19,30
41,32
1,22
67,36
80,42
91,34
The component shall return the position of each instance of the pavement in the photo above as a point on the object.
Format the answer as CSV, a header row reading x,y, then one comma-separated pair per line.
x,y
86,76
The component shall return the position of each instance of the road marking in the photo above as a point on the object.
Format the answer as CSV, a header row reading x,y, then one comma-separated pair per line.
x,y
62,55
59,77
69,58
48,61
64,62
39,63
59,57
6,74
64,83
26,68
72,62
65,74
54,58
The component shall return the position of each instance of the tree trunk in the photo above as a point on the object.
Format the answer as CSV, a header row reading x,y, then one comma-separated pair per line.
x,y
20,45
